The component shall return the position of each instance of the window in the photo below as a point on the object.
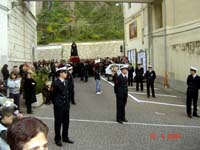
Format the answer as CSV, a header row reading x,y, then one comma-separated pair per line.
x,y
129,5
158,15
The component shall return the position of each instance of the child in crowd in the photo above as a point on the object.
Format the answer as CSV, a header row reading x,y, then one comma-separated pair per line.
x,y
8,114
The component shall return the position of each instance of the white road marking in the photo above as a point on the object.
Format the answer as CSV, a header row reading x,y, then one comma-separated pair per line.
x,y
144,88
134,98
127,123
149,102
161,95
112,84
162,114
161,103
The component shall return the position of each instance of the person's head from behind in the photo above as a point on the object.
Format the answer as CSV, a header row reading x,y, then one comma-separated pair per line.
x,y
29,74
7,115
28,134
5,67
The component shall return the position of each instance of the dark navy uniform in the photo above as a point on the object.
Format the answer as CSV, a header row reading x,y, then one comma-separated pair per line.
x,y
86,71
130,76
192,94
61,105
150,78
139,78
71,88
121,91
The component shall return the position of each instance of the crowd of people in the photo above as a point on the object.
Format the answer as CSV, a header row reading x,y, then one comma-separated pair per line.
x,y
61,93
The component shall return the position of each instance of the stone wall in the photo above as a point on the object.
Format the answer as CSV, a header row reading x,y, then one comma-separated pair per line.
x,y
3,32
22,34
18,32
88,50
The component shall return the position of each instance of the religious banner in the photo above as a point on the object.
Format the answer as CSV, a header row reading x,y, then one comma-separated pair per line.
x,y
142,59
132,56
133,30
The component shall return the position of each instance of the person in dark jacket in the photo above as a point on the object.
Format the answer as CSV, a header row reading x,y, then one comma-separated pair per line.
x,y
46,91
86,71
97,77
139,77
70,80
81,70
29,91
53,70
130,75
5,73
61,104
150,76
121,91
193,83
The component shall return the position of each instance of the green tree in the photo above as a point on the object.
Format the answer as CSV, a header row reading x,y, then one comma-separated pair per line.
x,y
91,21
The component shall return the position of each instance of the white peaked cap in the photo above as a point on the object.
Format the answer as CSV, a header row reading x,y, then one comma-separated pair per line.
x,y
97,61
124,67
69,68
61,69
193,68
150,66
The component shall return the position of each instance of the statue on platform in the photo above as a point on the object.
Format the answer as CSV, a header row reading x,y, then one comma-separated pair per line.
x,y
74,51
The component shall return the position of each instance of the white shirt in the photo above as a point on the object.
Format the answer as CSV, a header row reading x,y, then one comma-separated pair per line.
x,y
124,75
63,81
194,75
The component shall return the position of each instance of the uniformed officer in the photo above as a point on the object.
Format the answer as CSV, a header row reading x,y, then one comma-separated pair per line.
x,y
70,80
139,71
130,74
193,82
121,91
61,103
150,76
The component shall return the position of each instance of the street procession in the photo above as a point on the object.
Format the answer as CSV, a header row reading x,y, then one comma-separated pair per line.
x,y
99,75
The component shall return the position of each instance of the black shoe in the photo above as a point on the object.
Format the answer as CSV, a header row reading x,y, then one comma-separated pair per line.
x,y
148,96
189,116
125,120
68,141
73,103
196,115
59,143
29,112
154,96
120,122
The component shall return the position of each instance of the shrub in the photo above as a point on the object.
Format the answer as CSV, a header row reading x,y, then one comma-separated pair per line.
x,y
40,78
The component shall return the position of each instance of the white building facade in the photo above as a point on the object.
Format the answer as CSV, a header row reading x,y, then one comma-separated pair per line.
x,y
169,33
18,28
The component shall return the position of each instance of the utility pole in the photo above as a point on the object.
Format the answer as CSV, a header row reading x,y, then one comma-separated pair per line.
x,y
166,84
124,37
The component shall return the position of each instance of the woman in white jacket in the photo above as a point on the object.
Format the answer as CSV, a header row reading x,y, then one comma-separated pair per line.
x,y
14,84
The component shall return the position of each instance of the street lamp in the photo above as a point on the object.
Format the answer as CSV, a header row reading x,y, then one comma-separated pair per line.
x,y
122,47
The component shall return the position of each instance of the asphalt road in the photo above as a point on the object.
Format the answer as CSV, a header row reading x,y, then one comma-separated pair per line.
x,y
154,124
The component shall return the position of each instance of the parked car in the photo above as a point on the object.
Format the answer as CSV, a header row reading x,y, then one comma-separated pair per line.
x,y
109,71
